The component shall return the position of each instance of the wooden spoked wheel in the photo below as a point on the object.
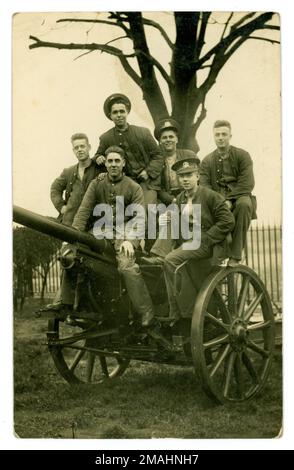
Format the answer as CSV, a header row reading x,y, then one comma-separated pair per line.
x,y
75,358
232,334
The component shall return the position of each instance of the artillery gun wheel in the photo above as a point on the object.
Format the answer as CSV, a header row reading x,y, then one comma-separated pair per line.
x,y
232,334
77,365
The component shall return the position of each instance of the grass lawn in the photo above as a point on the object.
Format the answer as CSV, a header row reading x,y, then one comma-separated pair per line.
x,y
148,401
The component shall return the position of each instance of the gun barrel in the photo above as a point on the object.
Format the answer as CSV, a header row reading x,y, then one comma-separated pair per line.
x,y
55,229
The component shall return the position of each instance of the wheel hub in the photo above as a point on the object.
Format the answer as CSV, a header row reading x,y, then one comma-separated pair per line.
x,y
238,334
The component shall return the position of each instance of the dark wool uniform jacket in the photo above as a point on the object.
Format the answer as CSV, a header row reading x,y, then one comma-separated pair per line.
x,y
141,147
164,194
241,183
62,187
217,221
105,192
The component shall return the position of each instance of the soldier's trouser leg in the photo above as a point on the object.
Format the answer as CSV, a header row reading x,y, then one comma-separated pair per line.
x,y
150,197
171,262
242,212
163,246
136,287
66,291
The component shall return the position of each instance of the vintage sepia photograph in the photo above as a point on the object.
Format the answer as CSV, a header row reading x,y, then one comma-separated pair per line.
x,y
147,225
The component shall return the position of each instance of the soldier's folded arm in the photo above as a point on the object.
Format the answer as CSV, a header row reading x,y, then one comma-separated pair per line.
x,y
204,172
245,182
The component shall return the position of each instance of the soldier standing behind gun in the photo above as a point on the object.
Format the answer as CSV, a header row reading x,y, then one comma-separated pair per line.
x,y
67,191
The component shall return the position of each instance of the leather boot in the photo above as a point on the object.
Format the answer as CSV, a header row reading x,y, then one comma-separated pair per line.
x,y
147,318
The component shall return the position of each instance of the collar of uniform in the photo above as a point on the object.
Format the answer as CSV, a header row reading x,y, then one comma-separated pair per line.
x,y
223,156
120,131
192,195
115,181
85,167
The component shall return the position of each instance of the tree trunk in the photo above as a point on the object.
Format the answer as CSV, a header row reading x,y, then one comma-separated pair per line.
x,y
184,97
151,90
186,104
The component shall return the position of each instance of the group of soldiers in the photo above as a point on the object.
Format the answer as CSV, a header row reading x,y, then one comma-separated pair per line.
x,y
129,163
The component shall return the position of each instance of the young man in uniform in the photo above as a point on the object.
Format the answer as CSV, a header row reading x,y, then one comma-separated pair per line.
x,y
116,184
68,190
229,171
143,159
216,222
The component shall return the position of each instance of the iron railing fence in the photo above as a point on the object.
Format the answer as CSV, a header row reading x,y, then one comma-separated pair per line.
x,y
263,253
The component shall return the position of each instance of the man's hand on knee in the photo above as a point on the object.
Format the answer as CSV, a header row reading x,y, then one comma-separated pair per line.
x,y
229,204
127,248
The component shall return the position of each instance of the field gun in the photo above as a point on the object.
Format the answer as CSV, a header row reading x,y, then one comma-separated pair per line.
x,y
228,337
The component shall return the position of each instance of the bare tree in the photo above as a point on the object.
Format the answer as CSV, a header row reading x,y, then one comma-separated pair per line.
x,y
188,85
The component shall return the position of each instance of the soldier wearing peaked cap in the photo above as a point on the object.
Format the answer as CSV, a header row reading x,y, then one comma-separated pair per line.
x,y
217,222
186,165
164,125
166,132
143,157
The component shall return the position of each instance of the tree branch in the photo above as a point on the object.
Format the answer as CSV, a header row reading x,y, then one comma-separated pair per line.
x,y
201,38
130,71
226,25
115,39
200,118
242,20
120,23
150,87
93,47
269,26
80,20
82,55
147,22
160,29
158,65
247,29
273,41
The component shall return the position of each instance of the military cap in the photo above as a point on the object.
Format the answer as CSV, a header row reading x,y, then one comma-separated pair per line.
x,y
165,124
186,165
113,99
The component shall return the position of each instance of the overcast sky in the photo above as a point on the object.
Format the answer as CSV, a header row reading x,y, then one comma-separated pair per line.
x,y
55,96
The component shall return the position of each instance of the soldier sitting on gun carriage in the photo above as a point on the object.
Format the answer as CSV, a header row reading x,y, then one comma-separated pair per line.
x,y
216,223
143,159
229,171
105,192
166,132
